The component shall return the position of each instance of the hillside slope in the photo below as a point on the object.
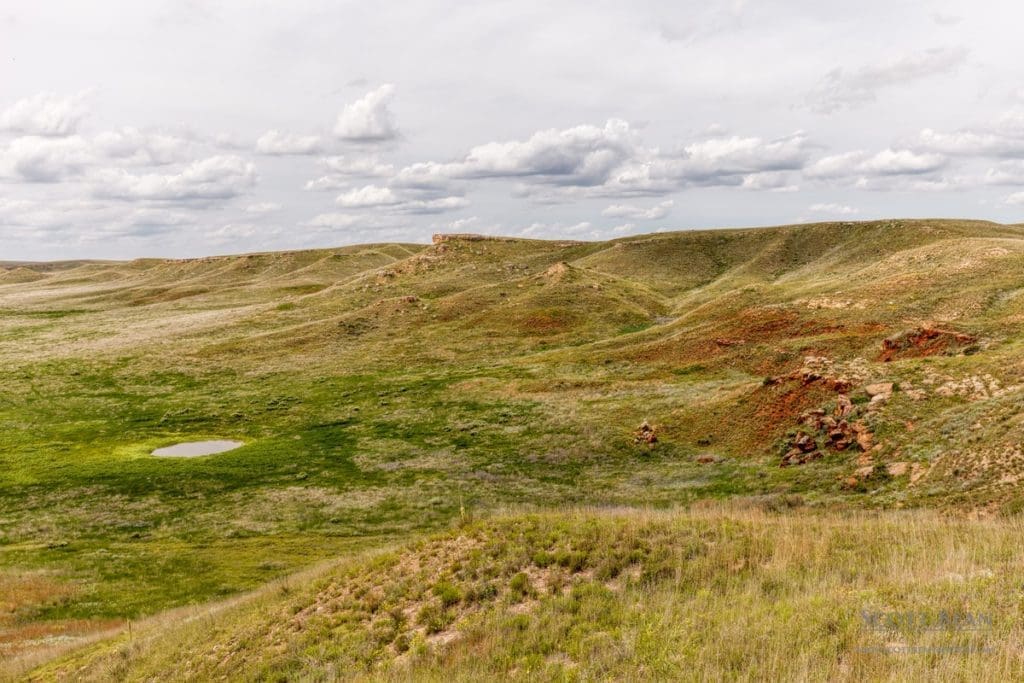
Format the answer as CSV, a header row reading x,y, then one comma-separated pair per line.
x,y
713,594
382,390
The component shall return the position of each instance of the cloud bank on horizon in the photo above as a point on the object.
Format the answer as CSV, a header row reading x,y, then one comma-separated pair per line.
x,y
179,129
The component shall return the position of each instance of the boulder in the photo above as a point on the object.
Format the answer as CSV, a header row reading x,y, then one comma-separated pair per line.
x,y
897,469
879,389
844,407
645,434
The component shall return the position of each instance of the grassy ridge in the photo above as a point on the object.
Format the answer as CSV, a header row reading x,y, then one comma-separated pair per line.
x,y
708,594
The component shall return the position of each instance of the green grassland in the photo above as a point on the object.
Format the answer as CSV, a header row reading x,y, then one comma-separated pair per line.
x,y
385,392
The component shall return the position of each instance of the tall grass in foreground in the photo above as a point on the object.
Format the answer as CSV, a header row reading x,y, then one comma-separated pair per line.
x,y
719,593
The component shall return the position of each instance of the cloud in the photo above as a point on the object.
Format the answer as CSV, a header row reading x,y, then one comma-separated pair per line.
x,y
234,231
218,177
359,225
888,162
368,196
901,162
1003,138
335,220
839,89
431,206
368,119
964,142
556,230
1015,199
35,159
40,159
1005,173
428,175
46,114
359,166
607,161
463,224
327,182
262,207
699,21
835,209
773,181
85,221
583,155
276,143
375,197
343,169
731,156
638,213
133,146
750,162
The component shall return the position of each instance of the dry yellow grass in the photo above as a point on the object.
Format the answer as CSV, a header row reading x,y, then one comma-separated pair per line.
x,y
713,593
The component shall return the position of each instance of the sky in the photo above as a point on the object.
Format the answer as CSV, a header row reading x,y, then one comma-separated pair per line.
x,y
178,128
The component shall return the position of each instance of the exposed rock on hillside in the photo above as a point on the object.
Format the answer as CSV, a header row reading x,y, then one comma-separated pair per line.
x,y
645,434
925,341
836,432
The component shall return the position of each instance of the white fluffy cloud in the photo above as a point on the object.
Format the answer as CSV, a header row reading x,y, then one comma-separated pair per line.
x,y
375,197
1003,138
731,156
40,159
368,196
773,181
45,114
583,155
638,212
35,159
84,221
219,177
750,162
276,143
888,162
133,146
966,142
369,118
834,209
593,161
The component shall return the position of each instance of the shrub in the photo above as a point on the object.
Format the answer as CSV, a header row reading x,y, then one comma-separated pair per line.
x,y
520,585
448,592
433,618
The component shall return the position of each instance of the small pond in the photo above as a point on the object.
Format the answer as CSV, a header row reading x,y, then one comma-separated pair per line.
x,y
194,449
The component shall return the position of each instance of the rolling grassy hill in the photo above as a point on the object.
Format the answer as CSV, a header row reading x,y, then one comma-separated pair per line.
x,y
384,392
709,594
